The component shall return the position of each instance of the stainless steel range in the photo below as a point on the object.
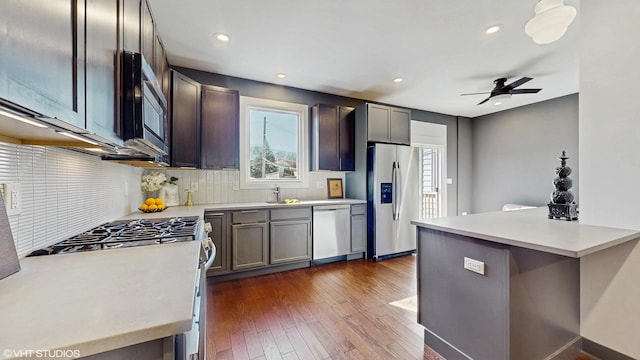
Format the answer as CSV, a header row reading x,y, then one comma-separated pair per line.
x,y
128,233
141,232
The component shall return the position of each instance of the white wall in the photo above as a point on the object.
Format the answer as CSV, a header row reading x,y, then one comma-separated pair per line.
x,y
64,193
609,133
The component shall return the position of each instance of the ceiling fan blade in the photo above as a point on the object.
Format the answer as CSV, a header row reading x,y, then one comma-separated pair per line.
x,y
524,91
478,93
519,82
484,101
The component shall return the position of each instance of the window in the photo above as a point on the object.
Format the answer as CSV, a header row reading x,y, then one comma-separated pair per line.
x,y
272,143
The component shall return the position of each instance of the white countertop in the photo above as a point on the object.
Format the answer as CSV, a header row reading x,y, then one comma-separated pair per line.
x,y
98,301
532,229
198,210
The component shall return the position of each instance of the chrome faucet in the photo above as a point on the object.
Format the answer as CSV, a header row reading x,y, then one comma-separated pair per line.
x,y
276,191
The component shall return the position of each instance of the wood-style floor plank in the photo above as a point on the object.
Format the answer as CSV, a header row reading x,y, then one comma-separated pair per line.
x,y
336,311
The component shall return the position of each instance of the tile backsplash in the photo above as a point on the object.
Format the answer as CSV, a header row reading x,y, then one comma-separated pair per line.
x,y
65,192
216,186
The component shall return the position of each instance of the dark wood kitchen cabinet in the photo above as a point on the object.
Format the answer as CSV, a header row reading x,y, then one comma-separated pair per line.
x,y
220,128
147,34
130,19
42,57
185,121
219,236
102,67
332,138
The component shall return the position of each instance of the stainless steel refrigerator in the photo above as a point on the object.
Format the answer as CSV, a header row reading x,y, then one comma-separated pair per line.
x,y
393,199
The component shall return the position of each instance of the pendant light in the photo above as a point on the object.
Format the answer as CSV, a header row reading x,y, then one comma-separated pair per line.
x,y
550,22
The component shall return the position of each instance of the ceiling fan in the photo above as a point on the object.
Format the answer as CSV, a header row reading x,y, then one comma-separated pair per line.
x,y
509,89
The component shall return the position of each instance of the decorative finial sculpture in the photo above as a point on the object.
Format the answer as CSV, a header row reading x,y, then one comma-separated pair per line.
x,y
562,204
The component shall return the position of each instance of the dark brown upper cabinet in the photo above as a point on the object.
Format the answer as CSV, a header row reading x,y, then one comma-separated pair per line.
x,y
42,57
102,67
332,138
220,128
185,121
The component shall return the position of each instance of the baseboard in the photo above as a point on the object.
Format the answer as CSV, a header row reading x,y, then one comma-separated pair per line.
x,y
602,352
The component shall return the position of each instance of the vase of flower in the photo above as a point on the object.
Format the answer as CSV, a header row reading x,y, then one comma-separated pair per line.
x,y
152,182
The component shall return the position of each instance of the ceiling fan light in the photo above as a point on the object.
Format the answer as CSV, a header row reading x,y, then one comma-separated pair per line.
x,y
550,22
501,99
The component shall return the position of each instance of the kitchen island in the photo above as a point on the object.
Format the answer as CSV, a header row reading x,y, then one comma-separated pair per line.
x,y
81,304
504,285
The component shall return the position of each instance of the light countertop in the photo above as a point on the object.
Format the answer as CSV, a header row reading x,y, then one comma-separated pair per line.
x,y
99,300
198,210
531,229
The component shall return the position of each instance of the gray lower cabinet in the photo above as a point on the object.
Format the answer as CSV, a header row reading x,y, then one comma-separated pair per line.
x,y
290,235
218,235
358,228
290,241
249,248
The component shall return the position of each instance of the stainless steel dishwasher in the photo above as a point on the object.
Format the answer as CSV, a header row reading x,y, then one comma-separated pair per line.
x,y
331,231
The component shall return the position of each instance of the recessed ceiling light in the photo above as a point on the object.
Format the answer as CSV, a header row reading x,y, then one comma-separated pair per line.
x,y
497,103
221,37
398,80
281,76
493,29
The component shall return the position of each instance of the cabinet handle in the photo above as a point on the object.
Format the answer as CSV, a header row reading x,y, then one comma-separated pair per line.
x,y
214,214
248,211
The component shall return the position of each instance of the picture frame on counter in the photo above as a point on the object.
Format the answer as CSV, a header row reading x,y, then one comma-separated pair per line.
x,y
334,188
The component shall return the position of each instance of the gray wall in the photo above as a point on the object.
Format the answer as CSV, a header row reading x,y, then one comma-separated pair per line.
x,y
283,93
515,152
465,168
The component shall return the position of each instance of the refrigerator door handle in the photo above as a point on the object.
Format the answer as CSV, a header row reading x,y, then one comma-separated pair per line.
x,y
394,184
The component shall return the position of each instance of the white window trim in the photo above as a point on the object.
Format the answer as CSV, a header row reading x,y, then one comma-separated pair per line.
x,y
246,104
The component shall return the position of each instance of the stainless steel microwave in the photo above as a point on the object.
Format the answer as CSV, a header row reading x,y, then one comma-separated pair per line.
x,y
144,107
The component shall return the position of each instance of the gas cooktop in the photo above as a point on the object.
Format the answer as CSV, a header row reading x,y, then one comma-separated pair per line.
x,y
127,233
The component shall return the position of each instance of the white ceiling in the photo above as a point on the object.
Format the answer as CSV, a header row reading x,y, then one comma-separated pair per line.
x,y
356,47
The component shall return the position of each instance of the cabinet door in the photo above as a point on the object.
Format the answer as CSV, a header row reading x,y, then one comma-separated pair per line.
x,y
185,122
378,122
346,118
358,233
290,241
42,57
147,34
101,69
400,126
219,237
131,25
325,138
249,246
220,128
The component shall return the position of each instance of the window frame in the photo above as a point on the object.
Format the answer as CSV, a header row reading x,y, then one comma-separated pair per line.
x,y
246,104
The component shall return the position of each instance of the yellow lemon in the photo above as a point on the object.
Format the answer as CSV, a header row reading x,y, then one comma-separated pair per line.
x,y
144,207
159,201
153,207
160,206
150,201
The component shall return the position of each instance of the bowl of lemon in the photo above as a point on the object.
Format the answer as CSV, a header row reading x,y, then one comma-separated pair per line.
x,y
152,205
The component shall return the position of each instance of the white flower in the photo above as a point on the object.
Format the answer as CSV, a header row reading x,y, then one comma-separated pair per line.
x,y
153,181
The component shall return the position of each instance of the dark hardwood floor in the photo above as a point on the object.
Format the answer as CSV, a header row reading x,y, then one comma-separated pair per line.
x,y
335,311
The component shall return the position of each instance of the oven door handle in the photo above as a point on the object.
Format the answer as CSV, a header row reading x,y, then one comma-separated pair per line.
x,y
211,254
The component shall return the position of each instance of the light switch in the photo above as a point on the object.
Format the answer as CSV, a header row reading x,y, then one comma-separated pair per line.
x,y
474,265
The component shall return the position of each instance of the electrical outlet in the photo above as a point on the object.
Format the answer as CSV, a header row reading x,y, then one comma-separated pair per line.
x,y
12,198
194,186
474,265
